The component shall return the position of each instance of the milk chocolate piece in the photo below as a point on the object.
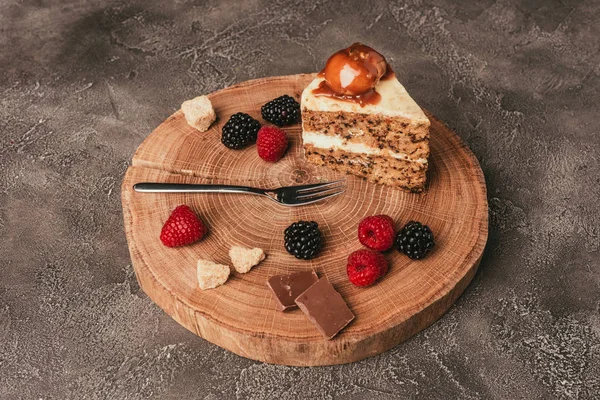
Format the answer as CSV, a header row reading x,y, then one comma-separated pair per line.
x,y
287,287
325,307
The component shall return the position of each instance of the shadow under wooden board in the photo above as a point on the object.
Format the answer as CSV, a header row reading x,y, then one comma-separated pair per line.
x,y
241,315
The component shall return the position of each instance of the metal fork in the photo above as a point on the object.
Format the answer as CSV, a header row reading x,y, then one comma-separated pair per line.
x,y
288,196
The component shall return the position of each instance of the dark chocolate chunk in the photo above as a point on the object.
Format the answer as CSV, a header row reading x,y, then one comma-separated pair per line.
x,y
287,287
325,307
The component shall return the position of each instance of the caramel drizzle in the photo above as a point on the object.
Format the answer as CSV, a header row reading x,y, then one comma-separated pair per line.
x,y
369,98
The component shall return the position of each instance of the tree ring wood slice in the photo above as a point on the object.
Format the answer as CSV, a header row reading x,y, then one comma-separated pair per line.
x,y
241,315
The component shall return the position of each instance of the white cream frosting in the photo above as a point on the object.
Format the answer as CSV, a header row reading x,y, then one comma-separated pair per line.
x,y
321,141
395,101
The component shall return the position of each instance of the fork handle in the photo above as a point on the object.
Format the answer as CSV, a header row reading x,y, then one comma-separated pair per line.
x,y
155,187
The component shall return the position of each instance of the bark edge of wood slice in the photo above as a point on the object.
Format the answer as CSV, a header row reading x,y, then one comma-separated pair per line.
x,y
241,316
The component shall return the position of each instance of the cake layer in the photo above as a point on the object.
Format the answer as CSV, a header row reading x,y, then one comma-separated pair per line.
x,y
318,140
395,102
387,170
398,134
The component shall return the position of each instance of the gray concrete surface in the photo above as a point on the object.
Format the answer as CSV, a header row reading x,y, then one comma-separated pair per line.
x,y
83,82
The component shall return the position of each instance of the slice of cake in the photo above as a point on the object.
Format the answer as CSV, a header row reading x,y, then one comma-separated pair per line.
x,y
357,118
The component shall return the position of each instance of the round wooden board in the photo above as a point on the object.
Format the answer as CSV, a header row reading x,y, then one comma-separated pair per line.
x,y
241,315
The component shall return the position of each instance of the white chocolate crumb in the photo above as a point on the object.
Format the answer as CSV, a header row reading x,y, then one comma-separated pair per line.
x,y
199,113
243,259
211,275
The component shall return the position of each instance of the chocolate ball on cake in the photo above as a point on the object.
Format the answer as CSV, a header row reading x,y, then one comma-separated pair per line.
x,y
355,70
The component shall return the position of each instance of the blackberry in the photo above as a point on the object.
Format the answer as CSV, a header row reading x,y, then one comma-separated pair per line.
x,y
303,239
415,240
239,131
282,111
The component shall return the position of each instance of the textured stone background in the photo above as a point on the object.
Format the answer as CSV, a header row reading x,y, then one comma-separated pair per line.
x,y
82,84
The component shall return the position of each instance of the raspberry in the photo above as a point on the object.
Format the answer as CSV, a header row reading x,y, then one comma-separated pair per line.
x,y
377,232
365,267
182,228
282,111
271,143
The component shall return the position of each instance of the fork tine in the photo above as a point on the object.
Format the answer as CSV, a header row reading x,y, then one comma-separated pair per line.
x,y
322,192
310,188
318,189
319,198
